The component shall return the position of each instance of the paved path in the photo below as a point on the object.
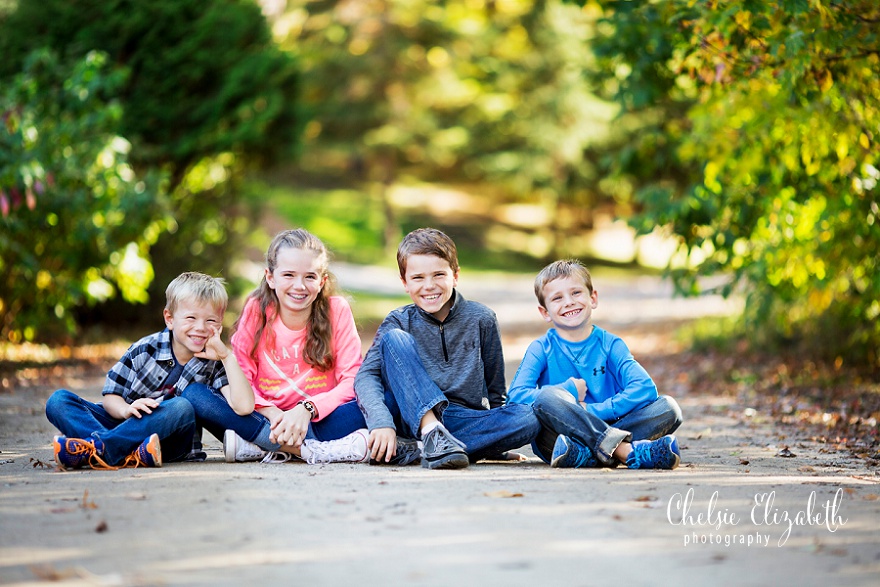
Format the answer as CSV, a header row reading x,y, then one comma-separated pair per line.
x,y
720,519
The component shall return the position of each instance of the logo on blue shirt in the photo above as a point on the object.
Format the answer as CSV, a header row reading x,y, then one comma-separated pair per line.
x,y
599,371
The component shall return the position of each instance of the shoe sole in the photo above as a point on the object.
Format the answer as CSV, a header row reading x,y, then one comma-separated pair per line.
x,y
456,460
229,446
555,461
154,448
56,447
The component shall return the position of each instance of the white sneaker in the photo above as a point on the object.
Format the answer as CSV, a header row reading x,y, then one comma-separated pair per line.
x,y
350,449
239,450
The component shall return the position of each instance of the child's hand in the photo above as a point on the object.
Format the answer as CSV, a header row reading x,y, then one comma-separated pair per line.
x,y
382,444
144,404
214,349
581,386
291,428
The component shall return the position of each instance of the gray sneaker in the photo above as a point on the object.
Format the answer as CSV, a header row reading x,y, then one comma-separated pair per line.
x,y
408,452
442,450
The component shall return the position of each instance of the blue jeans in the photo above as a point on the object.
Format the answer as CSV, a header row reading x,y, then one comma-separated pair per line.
x,y
216,416
560,413
173,421
485,433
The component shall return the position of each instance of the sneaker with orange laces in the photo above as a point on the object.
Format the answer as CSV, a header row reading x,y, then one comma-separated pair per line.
x,y
75,453
147,454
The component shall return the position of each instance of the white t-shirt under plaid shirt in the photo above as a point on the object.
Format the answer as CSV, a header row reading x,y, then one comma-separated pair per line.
x,y
145,366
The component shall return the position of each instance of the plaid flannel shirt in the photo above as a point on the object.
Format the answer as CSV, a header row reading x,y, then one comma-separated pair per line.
x,y
142,370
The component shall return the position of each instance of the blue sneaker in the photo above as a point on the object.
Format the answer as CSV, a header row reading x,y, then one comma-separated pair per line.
x,y
75,453
147,454
662,453
571,454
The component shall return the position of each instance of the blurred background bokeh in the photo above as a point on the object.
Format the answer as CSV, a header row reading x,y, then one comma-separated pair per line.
x,y
731,140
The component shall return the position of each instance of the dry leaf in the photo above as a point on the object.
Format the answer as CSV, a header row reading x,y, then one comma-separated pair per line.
x,y
744,461
645,498
806,469
502,493
785,453
86,504
101,527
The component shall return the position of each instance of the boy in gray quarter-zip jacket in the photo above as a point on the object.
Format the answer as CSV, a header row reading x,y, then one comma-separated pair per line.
x,y
435,371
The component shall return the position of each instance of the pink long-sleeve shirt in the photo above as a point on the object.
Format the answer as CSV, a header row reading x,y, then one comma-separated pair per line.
x,y
281,377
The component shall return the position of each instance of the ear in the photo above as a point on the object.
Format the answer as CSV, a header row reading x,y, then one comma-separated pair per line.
x,y
169,319
544,313
270,279
455,279
594,298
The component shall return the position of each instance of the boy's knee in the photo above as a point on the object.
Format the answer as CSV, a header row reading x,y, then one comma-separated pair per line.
x,y
671,407
396,336
553,397
58,399
179,409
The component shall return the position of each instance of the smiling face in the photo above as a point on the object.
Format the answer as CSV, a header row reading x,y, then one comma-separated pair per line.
x,y
429,281
569,305
297,280
191,324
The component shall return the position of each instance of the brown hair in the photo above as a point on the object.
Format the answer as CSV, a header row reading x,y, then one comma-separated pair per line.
x,y
560,269
427,241
318,351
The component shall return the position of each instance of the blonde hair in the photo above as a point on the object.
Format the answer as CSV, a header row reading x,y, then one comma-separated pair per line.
x,y
318,351
427,241
558,270
197,287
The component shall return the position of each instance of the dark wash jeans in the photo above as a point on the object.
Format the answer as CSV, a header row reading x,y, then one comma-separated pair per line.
x,y
173,421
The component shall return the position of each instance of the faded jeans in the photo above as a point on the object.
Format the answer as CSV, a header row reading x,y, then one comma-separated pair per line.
x,y
560,413
485,433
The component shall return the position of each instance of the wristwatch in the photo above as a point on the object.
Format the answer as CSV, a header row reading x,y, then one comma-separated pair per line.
x,y
308,405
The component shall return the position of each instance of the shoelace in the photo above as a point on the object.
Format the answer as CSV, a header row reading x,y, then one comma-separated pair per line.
x,y
77,447
443,443
274,457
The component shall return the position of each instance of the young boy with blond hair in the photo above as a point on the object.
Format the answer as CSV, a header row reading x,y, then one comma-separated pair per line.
x,y
439,361
142,420
597,405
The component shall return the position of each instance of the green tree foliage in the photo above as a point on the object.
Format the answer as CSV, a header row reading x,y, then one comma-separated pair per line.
x,y
206,96
75,216
463,90
757,147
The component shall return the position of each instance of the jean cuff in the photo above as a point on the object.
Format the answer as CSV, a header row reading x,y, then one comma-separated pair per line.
x,y
609,442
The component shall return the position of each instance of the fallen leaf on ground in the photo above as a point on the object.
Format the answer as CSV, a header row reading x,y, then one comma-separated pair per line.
x,y
86,503
101,527
785,453
645,498
502,493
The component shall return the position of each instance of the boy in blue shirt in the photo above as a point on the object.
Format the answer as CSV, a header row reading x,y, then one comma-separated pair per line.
x,y
597,405
439,362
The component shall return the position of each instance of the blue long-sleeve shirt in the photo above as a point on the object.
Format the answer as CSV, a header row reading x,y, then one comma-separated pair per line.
x,y
616,383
